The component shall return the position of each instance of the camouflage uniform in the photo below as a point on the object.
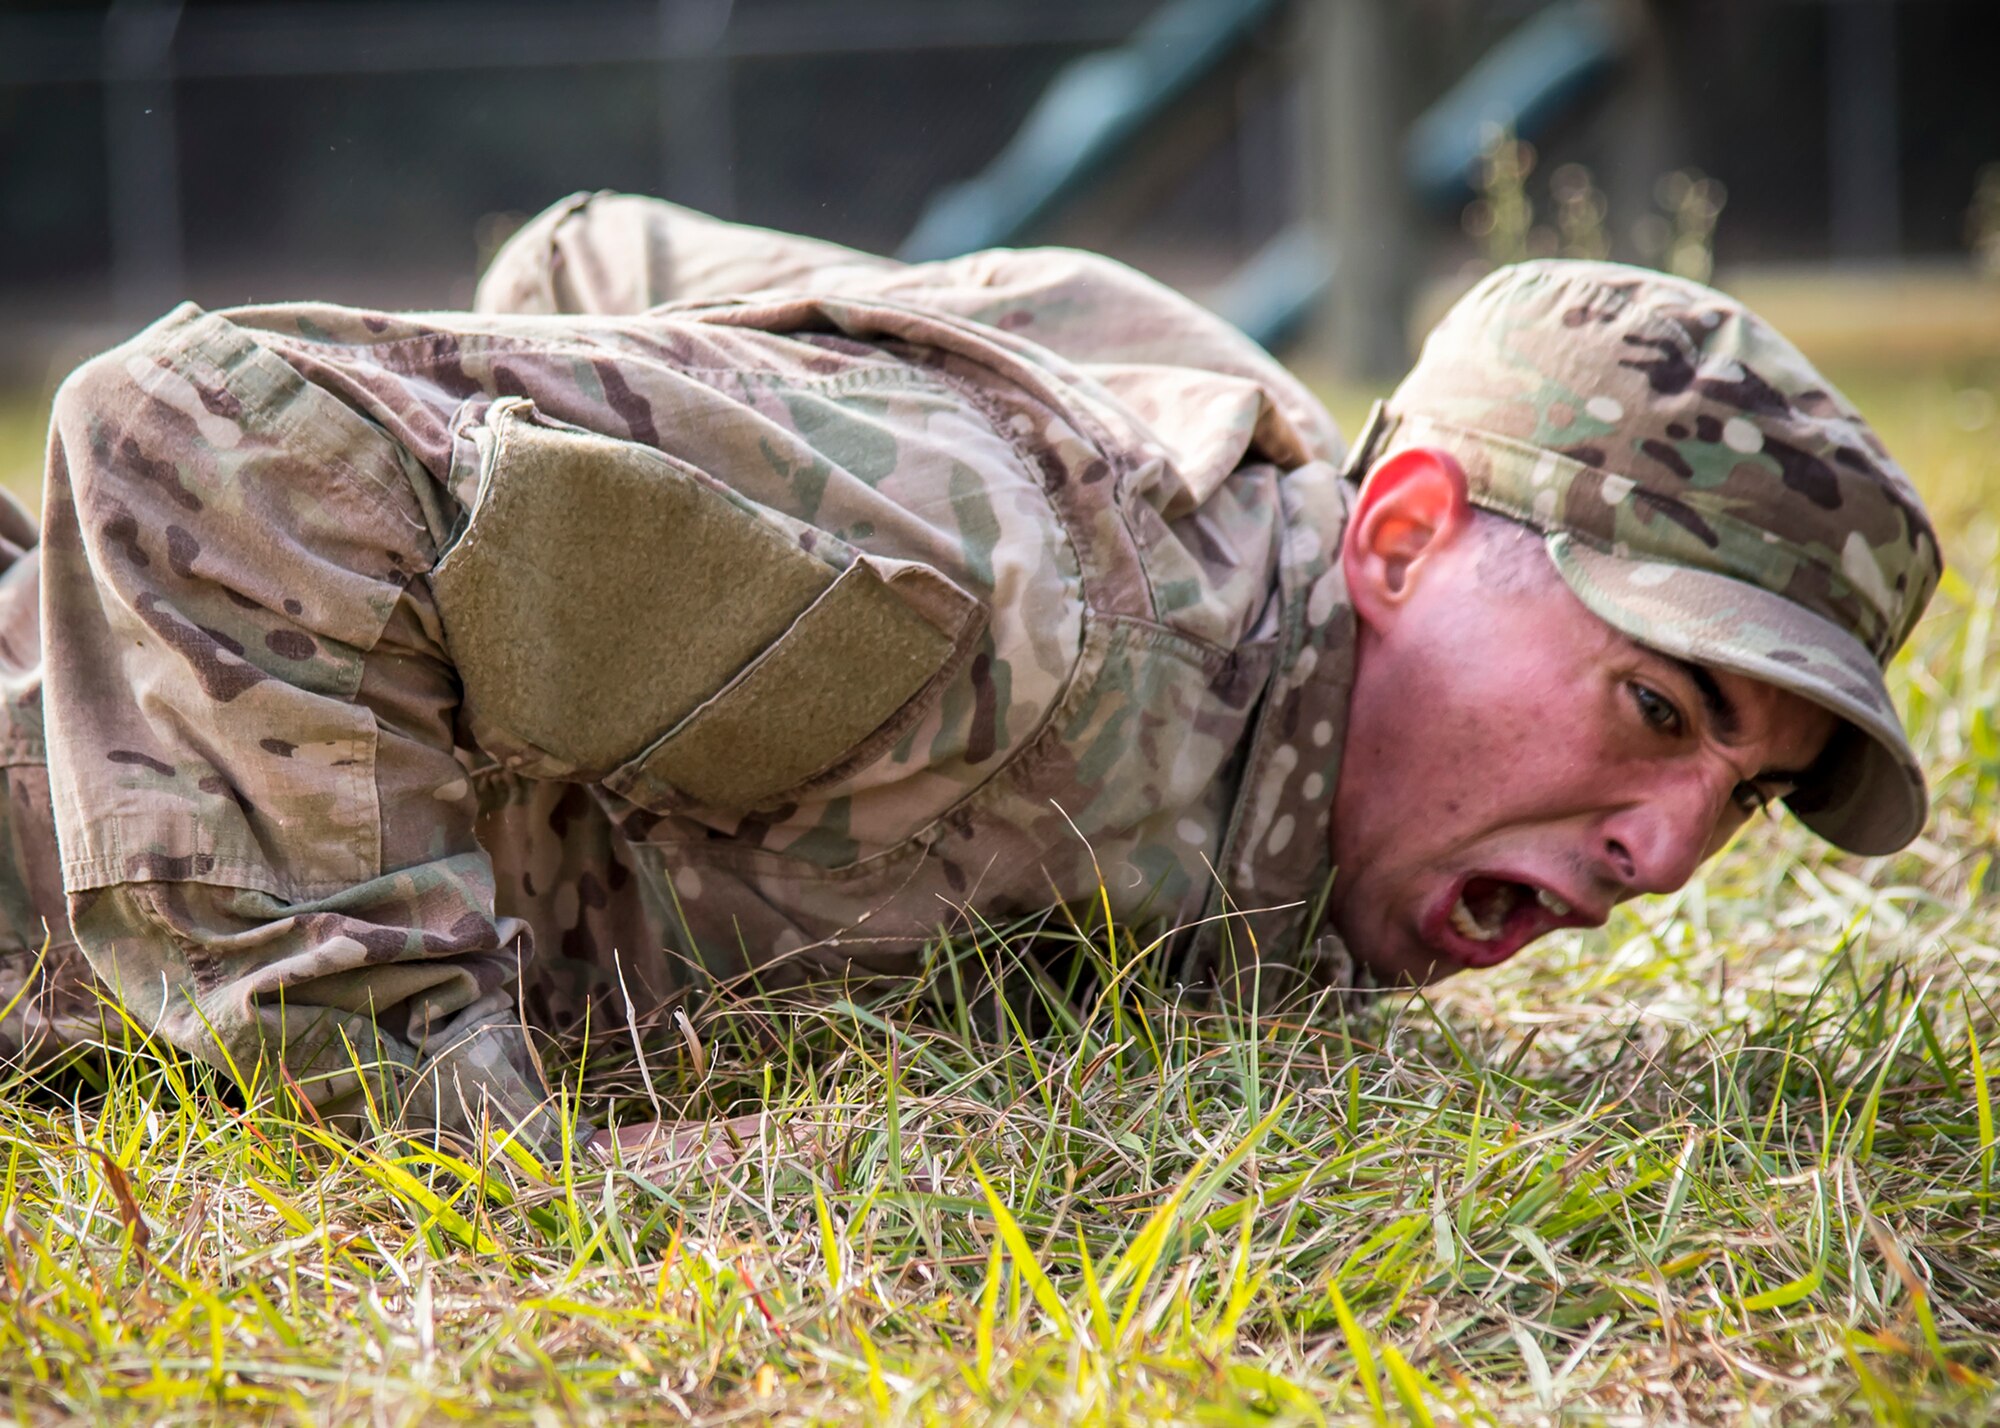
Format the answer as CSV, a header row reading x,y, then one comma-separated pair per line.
x,y
417,667
419,671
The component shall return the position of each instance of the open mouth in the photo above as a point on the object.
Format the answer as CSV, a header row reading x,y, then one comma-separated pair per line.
x,y
1488,918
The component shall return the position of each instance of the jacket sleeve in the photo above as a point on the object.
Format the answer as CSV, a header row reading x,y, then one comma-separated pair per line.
x,y
613,253
618,254
267,840
435,1046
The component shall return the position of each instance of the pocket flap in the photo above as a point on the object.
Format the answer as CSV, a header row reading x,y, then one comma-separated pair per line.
x,y
826,694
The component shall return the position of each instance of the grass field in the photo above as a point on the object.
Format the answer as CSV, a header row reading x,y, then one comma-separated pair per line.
x,y
1730,1160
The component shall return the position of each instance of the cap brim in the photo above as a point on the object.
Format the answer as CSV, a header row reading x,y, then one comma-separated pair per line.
x,y
1867,794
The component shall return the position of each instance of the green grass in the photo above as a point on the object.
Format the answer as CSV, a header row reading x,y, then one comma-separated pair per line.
x,y
24,421
1731,1160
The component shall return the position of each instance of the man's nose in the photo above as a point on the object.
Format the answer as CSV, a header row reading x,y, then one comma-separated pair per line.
x,y
1654,843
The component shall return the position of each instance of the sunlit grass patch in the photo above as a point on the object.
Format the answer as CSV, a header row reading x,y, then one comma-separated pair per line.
x,y
24,423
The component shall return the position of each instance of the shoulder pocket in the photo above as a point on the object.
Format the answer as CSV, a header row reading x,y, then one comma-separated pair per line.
x,y
616,615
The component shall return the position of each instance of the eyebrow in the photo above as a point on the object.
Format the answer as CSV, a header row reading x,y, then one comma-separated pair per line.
x,y
1728,724
1721,708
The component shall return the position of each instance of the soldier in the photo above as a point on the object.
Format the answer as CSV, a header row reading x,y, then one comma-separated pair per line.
x,y
712,603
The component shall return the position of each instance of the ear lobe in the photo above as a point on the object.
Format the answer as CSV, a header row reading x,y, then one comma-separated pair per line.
x,y
1413,504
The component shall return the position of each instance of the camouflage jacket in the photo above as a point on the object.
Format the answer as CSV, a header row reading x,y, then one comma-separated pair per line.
x,y
410,672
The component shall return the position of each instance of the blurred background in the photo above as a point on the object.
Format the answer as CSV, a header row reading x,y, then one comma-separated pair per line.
x,y
1327,173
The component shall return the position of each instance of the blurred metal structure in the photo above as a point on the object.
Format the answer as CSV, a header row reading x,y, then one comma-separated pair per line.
x,y
1099,109
1085,121
326,37
1088,121
1357,99
1554,60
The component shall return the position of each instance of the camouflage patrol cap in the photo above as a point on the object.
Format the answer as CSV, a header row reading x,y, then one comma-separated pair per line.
x,y
1701,488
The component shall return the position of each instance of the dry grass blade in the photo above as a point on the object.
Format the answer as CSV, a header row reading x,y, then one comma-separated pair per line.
x,y
120,1186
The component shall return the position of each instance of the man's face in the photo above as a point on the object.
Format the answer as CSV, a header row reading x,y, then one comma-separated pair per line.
x,y
1513,764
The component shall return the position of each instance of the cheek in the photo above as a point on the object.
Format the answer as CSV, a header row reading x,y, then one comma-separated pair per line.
x,y
1526,761
1477,751
1483,722
1510,700
1550,744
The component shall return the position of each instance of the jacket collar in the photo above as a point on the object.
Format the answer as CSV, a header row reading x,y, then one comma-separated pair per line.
x,y
1261,935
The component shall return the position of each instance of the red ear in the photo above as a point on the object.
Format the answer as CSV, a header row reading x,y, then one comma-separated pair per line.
x,y
1412,504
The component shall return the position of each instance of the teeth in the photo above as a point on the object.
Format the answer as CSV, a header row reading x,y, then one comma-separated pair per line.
x,y
1553,903
1469,926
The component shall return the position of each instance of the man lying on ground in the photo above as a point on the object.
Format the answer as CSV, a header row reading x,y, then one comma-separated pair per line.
x,y
713,603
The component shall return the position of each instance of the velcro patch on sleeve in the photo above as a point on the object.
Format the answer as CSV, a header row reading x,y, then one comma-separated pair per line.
x,y
614,615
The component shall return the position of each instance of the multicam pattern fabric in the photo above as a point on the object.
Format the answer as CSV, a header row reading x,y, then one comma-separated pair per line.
x,y
49,1001
1705,490
289,844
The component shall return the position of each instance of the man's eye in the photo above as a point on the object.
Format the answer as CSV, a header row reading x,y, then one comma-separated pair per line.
x,y
1656,710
